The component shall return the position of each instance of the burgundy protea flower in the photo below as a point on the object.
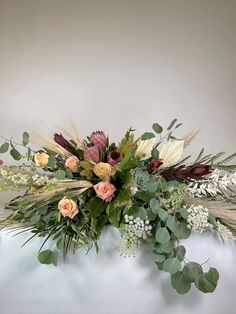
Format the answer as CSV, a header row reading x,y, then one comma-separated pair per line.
x,y
59,139
154,165
114,157
99,139
91,152
190,172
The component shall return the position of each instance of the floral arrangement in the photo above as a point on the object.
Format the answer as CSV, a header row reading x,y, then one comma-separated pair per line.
x,y
71,188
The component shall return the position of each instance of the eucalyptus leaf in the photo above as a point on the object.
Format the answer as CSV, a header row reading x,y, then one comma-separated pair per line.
x,y
171,124
171,223
15,154
192,270
182,231
162,235
147,136
25,139
60,174
157,128
172,265
180,283
4,148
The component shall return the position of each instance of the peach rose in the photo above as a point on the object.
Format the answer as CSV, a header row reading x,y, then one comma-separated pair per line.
x,y
72,163
103,170
68,208
41,159
105,190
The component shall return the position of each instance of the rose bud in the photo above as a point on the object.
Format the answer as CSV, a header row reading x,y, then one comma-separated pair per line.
x,y
59,139
91,152
154,165
114,157
72,163
99,139
1,162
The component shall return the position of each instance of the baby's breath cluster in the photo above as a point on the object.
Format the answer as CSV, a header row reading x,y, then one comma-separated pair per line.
x,y
21,179
134,230
198,218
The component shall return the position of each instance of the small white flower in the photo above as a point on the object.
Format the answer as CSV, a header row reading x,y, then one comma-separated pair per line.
x,y
198,218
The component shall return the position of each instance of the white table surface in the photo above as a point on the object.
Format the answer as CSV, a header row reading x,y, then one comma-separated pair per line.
x,y
107,282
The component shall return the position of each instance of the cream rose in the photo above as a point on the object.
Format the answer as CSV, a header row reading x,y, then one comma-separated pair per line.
x,y
68,207
105,190
41,159
72,163
103,170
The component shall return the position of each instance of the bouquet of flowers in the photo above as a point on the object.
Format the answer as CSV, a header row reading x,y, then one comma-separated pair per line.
x,y
71,188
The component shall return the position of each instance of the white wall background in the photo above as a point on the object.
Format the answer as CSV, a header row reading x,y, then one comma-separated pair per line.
x,y
109,65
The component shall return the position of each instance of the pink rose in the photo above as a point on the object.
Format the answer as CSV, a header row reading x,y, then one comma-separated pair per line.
x,y
72,163
68,207
105,190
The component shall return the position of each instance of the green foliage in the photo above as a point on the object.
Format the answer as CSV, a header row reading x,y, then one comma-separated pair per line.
x,y
180,283
162,235
147,136
171,265
25,139
52,162
157,128
171,124
96,206
15,154
48,257
182,231
60,174
4,148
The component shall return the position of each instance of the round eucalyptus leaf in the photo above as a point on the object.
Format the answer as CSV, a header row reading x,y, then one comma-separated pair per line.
x,y
179,282
162,235
172,265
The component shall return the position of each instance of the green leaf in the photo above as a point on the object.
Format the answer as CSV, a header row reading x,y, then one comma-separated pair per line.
x,y
172,265
154,205
52,162
48,257
25,140
180,283
162,235
213,275
15,154
114,215
171,223
171,124
60,244
143,213
157,128
147,136
69,174
60,174
184,213
152,186
96,207
157,258
162,213
42,209
192,270
182,231
180,252
4,148
155,153
164,247
204,284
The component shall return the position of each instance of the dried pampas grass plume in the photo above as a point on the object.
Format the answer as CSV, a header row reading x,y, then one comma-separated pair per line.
x,y
188,138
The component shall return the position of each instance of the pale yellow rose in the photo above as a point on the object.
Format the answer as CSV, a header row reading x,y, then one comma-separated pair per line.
x,y
41,159
103,170
68,207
